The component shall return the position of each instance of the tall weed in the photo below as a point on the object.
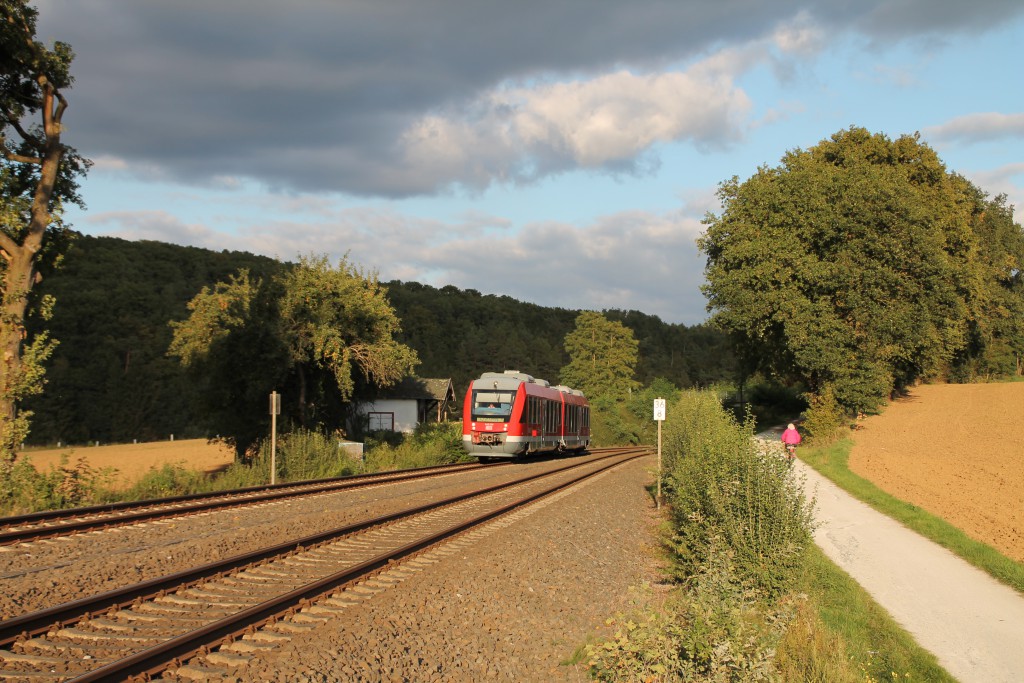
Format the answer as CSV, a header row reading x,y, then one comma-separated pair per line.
x,y
824,419
723,485
27,490
302,455
431,444
720,629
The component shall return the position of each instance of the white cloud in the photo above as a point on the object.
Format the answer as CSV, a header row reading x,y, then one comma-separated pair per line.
x,y
1002,180
630,260
980,127
800,36
154,225
606,122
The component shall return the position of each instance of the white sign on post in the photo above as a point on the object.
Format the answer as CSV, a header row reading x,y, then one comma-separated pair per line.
x,y
659,416
659,409
275,410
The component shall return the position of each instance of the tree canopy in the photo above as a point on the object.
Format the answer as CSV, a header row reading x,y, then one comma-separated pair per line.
x,y
111,380
602,357
313,332
864,265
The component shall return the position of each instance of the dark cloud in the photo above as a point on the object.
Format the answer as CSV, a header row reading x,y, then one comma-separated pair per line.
x,y
321,95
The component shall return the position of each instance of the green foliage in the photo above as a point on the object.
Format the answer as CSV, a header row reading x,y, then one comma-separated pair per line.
x,y
462,333
864,264
602,357
302,455
769,401
824,419
38,173
431,444
340,319
110,379
171,479
740,530
686,357
24,490
313,332
718,630
756,600
612,424
723,485
32,71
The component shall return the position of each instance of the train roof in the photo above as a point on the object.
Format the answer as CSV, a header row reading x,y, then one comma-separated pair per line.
x,y
511,379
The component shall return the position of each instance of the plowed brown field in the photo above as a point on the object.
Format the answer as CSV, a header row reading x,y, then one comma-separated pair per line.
x,y
957,451
132,461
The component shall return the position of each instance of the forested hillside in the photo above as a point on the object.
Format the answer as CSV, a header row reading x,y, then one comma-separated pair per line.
x,y
111,379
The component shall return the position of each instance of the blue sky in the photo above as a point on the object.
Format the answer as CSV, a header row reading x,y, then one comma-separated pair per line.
x,y
561,152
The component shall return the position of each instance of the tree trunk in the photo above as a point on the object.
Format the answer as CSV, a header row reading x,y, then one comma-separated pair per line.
x,y
20,276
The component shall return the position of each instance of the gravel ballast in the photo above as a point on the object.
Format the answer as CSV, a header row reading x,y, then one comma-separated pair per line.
x,y
512,602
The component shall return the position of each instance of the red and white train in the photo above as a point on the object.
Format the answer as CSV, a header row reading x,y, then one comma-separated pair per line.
x,y
509,414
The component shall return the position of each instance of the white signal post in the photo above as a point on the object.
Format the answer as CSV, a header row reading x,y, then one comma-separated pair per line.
x,y
659,417
275,410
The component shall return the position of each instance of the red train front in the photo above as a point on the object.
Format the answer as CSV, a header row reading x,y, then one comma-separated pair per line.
x,y
510,413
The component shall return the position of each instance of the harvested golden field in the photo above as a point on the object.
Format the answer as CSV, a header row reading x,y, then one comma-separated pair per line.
x,y
957,451
132,461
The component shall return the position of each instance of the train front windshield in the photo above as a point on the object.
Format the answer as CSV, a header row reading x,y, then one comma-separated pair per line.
x,y
492,406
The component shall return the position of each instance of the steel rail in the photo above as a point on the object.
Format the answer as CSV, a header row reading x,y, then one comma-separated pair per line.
x,y
158,507
40,621
158,658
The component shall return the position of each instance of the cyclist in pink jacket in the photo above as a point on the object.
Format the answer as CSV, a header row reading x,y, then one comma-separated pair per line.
x,y
790,438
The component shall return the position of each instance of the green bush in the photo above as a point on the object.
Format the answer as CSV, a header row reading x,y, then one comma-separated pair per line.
x,y
169,480
723,485
431,444
612,424
26,490
825,418
302,455
720,629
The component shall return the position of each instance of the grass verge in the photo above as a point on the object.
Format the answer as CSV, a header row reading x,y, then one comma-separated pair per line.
x,y
833,463
841,634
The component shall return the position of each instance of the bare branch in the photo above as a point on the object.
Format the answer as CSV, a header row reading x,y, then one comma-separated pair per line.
x,y
16,125
11,156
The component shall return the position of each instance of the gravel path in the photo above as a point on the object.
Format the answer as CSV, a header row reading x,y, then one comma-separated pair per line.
x,y
969,621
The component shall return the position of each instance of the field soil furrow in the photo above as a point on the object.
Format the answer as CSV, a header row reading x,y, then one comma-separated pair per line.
x,y
132,461
957,451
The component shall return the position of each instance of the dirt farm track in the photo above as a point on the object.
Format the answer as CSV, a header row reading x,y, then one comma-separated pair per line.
x,y
955,450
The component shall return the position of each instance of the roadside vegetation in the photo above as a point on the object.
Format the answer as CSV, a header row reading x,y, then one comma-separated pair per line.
x,y
751,596
300,455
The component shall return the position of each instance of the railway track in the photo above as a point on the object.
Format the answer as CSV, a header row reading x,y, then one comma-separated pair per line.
x,y
234,606
56,523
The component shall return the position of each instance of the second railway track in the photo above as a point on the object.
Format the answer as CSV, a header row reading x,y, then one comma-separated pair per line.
x,y
57,523
143,628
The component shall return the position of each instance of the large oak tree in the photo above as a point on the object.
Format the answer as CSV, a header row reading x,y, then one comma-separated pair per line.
x,y
862,265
